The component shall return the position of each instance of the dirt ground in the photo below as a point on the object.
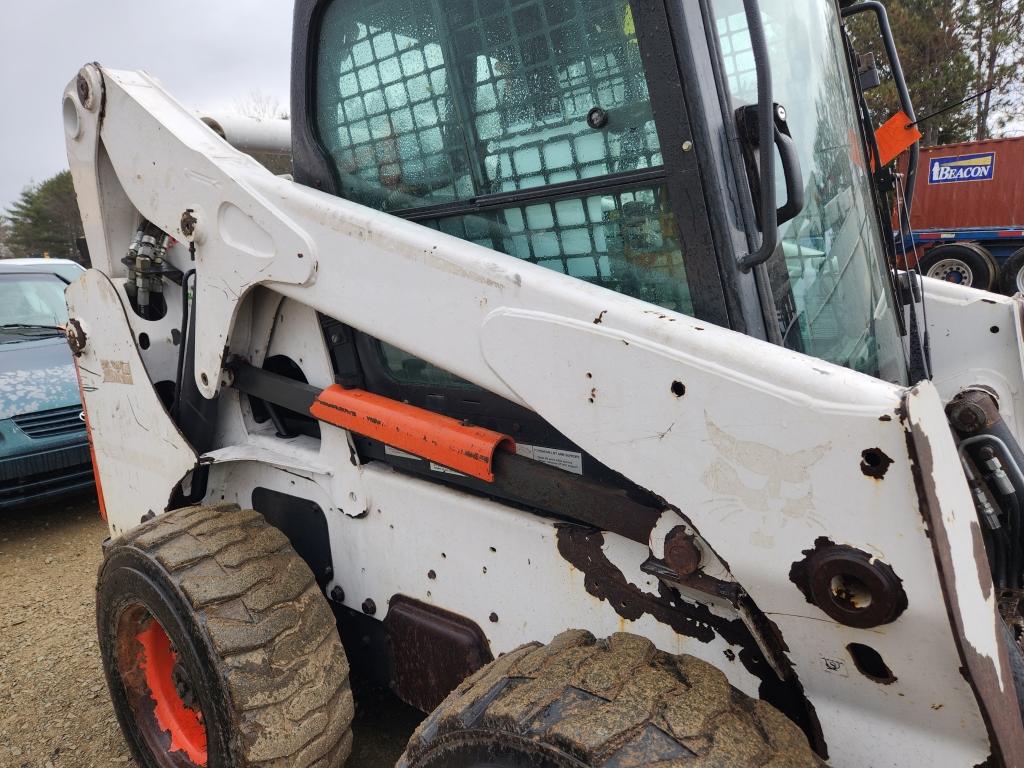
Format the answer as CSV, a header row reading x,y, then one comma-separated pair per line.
x,y
54,708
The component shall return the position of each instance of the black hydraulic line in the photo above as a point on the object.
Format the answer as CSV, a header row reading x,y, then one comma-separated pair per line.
x,y
1000,563
197,414
897,75
180,368
994,549
277,420
1015,557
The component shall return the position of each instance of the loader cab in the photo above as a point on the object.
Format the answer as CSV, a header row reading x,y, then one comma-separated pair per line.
x,y
598,138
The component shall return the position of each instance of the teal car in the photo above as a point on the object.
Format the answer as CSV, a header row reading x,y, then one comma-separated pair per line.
x,y
44,449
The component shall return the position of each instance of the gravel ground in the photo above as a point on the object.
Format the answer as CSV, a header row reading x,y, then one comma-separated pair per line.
x,y
54,709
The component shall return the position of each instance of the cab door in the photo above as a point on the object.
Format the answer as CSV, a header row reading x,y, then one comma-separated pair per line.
x,y
551,130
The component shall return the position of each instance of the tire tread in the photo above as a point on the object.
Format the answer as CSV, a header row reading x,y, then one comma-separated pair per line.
x,y
274,633
618,701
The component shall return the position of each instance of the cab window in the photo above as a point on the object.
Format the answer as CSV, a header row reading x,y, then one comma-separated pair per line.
x,y
526,127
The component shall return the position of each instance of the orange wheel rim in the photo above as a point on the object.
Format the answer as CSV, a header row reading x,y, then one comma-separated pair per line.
x,y
184,724
167,715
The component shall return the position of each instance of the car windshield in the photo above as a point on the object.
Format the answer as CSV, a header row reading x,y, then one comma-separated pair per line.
x,y
828,276
28,300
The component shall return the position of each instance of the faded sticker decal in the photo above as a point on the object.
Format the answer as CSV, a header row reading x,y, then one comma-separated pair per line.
x,y
775,485
116,372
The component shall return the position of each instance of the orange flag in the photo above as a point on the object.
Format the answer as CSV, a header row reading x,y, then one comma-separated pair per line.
x,y
895,136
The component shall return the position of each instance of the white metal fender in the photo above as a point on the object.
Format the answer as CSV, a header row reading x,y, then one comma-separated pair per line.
x,y
977,339
138,451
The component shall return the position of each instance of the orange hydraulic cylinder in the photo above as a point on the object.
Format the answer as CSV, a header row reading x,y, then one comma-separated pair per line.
x,y
440,439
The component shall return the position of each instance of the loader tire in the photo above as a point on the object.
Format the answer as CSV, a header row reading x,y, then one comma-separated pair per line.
x,y
218,646
581,703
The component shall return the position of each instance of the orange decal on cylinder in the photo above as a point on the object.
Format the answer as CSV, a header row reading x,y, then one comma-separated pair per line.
x,y
430,435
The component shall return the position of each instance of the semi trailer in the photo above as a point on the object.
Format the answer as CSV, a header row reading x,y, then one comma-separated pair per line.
x,y
967,218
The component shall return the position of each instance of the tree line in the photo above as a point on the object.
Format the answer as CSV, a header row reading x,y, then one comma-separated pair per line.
x,y
951,50
43,221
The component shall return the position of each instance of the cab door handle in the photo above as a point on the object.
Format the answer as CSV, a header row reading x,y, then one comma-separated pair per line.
x,y
791,171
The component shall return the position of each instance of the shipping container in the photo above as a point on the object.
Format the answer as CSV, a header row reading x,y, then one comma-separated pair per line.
x,y
973,184
967,220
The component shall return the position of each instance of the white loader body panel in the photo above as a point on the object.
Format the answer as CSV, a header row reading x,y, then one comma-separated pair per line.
x,y
762,452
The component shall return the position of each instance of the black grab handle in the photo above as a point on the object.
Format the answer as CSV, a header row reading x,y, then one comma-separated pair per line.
x,y
790,169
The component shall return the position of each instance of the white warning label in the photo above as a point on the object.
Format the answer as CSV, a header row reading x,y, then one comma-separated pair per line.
x,y
400,454
441,468
570,461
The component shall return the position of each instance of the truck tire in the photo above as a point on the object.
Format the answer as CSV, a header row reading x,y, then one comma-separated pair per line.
x,y
962,263
1011,276
581,703
218,646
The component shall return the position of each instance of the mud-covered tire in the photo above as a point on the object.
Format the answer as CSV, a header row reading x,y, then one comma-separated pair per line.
x,y
581,703
255,654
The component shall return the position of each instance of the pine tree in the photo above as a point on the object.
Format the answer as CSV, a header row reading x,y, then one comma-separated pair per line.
x,y
45,220
996,32
934,52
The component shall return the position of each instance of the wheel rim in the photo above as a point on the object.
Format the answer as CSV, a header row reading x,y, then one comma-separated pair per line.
x,y
1020,279
167,716
952,271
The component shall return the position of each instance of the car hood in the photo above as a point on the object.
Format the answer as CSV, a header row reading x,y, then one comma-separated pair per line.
x,y
36,375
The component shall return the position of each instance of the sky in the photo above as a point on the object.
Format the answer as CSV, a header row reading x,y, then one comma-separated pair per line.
x,y
206,53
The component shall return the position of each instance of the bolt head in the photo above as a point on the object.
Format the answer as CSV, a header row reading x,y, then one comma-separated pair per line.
x,y
967,416
188,222
75,336
681,552
88,86
597,118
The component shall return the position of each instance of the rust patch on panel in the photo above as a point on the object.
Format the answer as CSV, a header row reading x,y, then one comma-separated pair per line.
x,y
999,708
582,547
849,585
874,462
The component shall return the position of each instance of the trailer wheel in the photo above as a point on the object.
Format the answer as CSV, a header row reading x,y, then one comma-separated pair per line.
x,y
218,647
962,263
1012,274
581,703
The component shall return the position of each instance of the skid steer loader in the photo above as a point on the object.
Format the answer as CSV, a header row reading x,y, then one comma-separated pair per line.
x,y
570,389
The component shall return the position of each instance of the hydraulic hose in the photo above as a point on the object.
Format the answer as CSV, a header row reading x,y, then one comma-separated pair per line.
x,y
179,373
